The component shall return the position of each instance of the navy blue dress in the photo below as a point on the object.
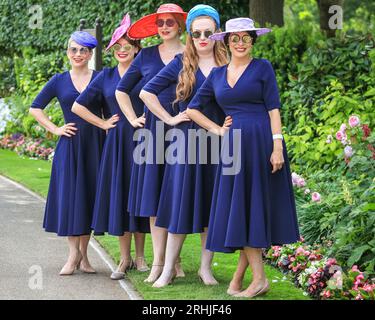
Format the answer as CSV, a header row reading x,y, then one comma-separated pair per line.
x,y
71,194
186,194
251,207
146,179
110,214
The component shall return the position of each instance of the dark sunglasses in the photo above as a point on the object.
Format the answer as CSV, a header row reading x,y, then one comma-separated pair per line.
x,y
169,22
197,34
235,38
74,50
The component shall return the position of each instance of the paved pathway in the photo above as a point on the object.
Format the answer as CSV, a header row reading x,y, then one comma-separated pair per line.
x,y
30,258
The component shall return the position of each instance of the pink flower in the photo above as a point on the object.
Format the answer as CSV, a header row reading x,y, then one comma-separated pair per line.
x,y
359,297
326,294
354,121
343,128
315,197
348,151
368,287
312,257
360,277
295,178
301,182
300,250
355,268
340,135
296,268
344,140
331,261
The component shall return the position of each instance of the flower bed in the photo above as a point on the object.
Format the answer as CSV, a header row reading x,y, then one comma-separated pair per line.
x,y
319,276
308,265
37,149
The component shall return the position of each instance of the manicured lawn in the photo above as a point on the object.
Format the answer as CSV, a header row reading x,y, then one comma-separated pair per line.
x,y
34,174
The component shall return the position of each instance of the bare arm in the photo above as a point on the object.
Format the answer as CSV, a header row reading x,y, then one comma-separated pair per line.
x,y
87,115
66,130
207,124
153,104
276,128
126,106
277,158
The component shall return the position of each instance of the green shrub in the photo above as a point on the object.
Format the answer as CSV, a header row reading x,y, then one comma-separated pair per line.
x,y
344,219
323,95
7,76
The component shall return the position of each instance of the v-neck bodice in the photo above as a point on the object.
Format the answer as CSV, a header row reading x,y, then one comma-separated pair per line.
x,y
240,77
254,92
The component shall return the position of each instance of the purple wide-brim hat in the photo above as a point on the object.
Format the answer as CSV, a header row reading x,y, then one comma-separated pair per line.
x,y
239,25
120,31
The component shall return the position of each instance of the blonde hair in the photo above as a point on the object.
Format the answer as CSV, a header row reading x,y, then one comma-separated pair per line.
x,y
190,60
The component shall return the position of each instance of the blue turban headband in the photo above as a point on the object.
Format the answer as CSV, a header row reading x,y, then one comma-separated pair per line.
x,y
84,39
202,10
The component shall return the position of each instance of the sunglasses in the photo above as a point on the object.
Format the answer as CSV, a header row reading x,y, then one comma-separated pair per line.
x,y
118,47
197,34
74,50
169,22
235,38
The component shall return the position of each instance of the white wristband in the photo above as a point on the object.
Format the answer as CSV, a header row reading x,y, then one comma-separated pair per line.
x,y
277,136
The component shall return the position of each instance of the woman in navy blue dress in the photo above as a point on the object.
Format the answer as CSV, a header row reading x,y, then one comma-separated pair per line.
x,y
253,203
110,214
146,179
71,194
185,198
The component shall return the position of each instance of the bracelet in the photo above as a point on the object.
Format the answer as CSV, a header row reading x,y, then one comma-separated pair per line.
x,y
277,136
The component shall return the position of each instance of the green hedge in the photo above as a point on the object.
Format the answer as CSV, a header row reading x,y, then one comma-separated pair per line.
x,y
61,18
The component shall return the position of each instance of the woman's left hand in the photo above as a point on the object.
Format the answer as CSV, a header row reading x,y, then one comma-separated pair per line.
x,y
277,160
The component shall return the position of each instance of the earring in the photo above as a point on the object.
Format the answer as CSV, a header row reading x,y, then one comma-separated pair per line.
x,y
179,30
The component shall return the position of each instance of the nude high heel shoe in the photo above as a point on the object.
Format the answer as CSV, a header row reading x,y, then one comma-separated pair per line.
x,y
261,291
65,271
125,265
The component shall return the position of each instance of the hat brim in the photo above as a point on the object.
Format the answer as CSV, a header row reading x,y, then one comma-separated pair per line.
x,y
220,35
146,26
120,31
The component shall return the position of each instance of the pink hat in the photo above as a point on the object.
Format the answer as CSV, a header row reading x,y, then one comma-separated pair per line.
x,y
120,31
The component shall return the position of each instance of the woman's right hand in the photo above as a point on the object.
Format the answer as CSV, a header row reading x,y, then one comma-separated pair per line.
x,y
138,122
227,123
181,117
67,130
110,123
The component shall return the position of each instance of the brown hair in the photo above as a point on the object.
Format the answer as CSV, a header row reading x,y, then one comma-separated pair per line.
x,y
186,78
133,42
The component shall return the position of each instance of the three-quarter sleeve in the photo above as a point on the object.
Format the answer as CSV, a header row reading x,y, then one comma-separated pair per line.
x,y
204,95
270,91
165,78
132,76
46,94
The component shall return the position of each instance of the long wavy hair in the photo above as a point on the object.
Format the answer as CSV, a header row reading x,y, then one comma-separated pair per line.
x,y
190,60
